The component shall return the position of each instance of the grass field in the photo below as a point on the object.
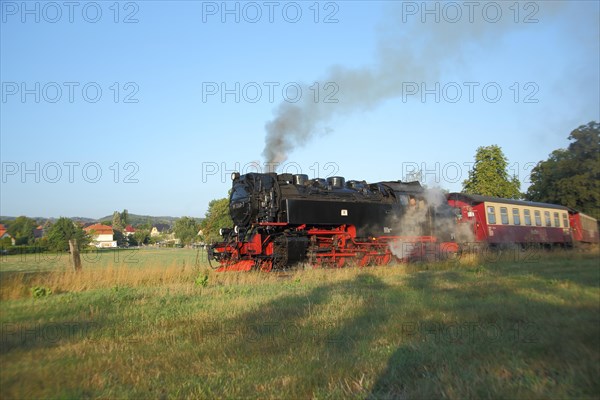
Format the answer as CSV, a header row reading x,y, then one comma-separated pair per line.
x,y
512,326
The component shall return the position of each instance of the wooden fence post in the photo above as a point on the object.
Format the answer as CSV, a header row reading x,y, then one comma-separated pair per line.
x,y
75,258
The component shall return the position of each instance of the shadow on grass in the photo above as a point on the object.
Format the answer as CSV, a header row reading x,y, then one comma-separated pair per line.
x,y
35,336
455,333
568,266
490,339
313,336
68,321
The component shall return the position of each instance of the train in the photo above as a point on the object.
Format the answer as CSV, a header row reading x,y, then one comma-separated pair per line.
x,y
281,220
499,222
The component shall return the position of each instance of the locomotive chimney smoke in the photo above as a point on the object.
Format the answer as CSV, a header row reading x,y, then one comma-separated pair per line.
x,y
411,53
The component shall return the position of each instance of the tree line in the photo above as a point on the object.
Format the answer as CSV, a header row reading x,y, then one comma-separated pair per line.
x,y
58,233
569,177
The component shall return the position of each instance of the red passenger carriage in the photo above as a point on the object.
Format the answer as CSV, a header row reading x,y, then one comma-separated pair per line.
x,y
498,221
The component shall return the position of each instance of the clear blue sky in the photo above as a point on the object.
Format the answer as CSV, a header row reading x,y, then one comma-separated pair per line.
x,y
162,138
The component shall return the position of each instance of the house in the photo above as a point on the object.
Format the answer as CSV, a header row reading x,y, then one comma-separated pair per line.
x,y
4,234
129,230
2,231
102,235
159,229
38,232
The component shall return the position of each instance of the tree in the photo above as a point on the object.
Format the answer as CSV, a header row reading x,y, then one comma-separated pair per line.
x,y
146,225
141,236
5,242
217,217
64,230
120,238
571,177
489,176
186,230
21,229
117,223
125,217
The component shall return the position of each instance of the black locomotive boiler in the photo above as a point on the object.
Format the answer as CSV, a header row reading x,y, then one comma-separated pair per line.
x,y
284,219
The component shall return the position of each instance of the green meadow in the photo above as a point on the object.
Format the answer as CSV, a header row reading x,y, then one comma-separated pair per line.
x,y
161,324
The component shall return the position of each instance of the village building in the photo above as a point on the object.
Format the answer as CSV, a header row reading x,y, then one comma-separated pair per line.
x,y
129,230
4,234
159,229
102,235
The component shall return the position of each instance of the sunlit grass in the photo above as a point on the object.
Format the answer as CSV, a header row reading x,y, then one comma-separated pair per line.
x,y
517,326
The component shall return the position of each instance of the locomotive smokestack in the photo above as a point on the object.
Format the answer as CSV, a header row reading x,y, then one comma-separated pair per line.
x,y
411,53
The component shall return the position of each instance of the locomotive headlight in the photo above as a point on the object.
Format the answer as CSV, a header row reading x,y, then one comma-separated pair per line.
x,y
235,175
236,229
224,231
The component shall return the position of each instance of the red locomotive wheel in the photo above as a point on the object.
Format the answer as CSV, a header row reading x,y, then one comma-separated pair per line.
x,y
266,266
387,259
384,259
364,261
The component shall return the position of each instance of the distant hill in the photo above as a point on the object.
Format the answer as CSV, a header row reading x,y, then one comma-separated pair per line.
x,y
41,220
134,219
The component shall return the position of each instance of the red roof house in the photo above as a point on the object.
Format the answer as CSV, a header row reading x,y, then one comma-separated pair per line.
x,y
102,235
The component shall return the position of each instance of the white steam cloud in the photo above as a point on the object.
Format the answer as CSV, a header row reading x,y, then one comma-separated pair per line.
x,y
418,221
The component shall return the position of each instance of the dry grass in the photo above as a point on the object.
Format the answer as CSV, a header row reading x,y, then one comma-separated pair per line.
x,y
178,269
18,285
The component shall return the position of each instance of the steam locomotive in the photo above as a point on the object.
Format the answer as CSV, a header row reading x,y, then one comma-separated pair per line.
x,y
284,219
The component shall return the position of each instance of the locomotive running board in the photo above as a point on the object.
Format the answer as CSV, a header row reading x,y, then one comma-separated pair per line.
x,y
244,265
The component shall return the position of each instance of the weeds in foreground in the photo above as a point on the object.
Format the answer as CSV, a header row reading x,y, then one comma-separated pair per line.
x,y
179,274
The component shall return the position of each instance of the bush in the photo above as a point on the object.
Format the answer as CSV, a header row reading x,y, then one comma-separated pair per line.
x,y
40,291
202,280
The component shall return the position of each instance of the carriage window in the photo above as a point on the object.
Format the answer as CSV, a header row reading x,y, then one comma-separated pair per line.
x,y
527,214
556,220
565,221
516,216
538,218
547,218
491,214
504,215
